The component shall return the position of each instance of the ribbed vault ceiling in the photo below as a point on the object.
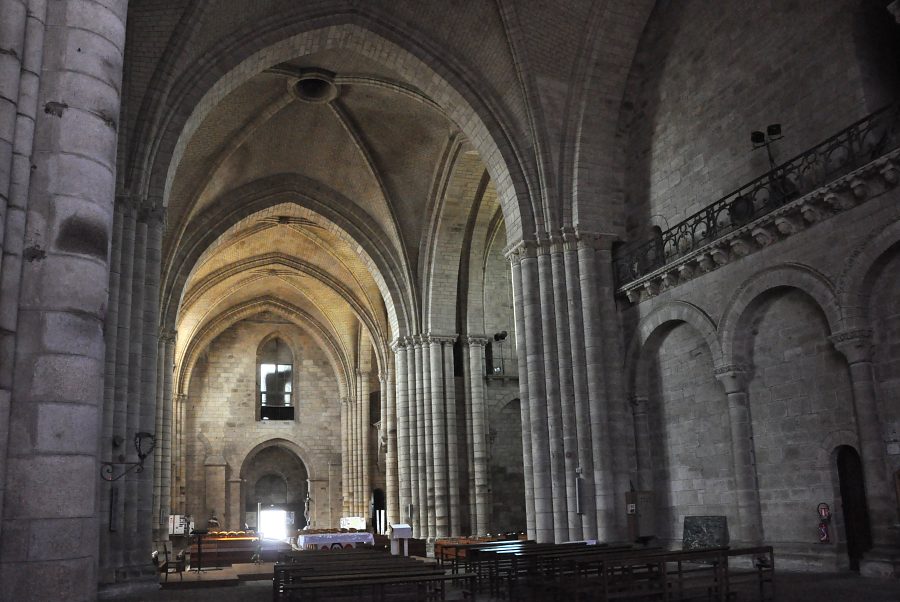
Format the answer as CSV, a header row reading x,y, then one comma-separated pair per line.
x,y
381,145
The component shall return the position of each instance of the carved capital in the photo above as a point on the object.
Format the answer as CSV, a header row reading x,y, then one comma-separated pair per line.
x,y
855,345
433,337
398,344
732,377
472,341
569,239
168,335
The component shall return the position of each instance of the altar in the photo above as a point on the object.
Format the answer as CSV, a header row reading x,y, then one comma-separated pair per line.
x,y
327,541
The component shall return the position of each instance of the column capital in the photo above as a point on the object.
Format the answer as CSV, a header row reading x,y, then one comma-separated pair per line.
x,y
398,344
732,376
433,337
599,241
476,340
168,335
525,248
855,345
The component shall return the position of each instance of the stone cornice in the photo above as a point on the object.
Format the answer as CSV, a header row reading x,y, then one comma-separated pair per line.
x,y
865,183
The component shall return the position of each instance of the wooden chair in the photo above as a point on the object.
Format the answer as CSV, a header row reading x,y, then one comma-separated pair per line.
x,y
169,565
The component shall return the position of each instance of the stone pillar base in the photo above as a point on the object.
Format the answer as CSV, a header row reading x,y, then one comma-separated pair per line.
x,y
881,561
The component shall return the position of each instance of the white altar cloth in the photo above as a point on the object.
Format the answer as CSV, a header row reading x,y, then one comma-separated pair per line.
x,y
327,541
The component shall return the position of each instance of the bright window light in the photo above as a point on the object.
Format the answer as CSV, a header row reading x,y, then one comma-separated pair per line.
x,y
273,524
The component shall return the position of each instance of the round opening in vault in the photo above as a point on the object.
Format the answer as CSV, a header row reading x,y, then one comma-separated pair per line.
x,y
316,87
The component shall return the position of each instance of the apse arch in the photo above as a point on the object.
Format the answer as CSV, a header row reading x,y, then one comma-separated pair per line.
x,y
349,223
257,46
188,358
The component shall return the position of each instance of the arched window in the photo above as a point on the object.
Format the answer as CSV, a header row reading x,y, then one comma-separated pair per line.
x,y
275,381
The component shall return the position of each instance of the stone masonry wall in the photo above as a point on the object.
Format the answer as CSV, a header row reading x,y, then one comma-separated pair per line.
x,y
221,415
884,308
705,77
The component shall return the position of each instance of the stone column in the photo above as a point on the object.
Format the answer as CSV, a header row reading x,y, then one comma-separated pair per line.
x,y
392,488
538,399
515,259
415,476
232,519
426,459
438,438
59,370
566,390
480,452
345,458
552,388
452,437
597,393
404,498
365,430
148,516
470,444
135,390
165,435
743,453
642,442
585,466
856,346
22,36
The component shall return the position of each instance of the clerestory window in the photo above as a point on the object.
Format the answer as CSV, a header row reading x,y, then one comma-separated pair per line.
x,y
275,378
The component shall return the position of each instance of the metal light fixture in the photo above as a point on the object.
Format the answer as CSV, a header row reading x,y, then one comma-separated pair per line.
x,y
765,139
499,337
144,444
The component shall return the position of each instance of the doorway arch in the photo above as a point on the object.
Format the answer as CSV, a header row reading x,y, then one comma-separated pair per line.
x,y
855,510
274,477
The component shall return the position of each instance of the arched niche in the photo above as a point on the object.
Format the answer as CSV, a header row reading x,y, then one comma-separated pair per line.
x,y
684,443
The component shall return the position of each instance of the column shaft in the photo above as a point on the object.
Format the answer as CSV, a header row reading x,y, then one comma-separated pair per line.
x,y
59,372
479,438
403,433
580,388
597,395
515,258
566,391
365,444
438,439
452,439
642,443
470,452
538,412
391,457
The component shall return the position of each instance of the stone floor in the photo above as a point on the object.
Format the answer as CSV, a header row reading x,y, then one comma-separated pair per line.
x,y
791,587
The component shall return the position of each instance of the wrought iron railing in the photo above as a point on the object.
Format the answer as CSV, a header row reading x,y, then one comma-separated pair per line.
x,y
853,147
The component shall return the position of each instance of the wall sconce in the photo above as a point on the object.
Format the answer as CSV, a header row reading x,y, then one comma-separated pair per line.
x,y
144,443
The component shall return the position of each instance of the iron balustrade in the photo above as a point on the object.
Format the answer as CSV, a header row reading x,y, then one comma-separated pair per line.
x,y
861,143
